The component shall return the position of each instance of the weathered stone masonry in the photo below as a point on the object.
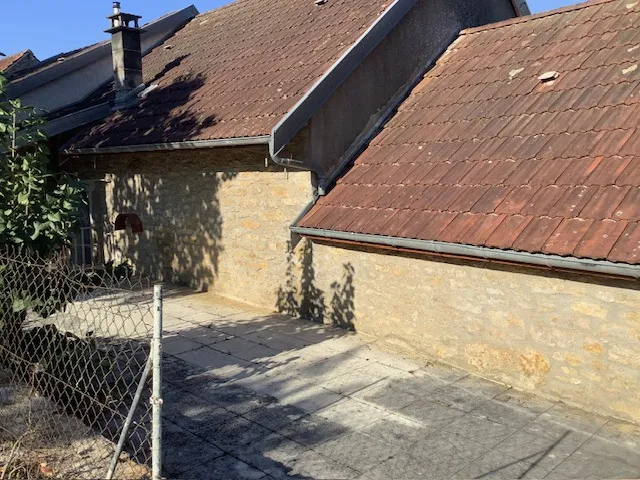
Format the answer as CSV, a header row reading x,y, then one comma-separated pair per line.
x,y
568,337
216,220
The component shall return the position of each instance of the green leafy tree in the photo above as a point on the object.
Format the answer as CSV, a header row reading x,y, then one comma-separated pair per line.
x,y
38,209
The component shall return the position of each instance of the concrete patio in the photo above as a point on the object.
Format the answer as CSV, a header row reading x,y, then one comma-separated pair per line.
x,y
253,395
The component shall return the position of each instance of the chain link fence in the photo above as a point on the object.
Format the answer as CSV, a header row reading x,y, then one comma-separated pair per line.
x,y
75,347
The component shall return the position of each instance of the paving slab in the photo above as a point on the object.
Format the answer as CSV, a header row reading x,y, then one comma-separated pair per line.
x,y
313,430
177,344
434,415
358,451
271,454
253,395
191,412
226,467
350,383
275,416
386,395
352,414
405,467
397,430
496,465
312,465
183,449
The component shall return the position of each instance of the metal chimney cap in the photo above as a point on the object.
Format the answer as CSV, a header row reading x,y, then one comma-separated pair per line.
x,y
116,8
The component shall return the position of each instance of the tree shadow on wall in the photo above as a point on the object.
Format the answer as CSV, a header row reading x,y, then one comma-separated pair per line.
x,y
180,212
301,297
174,193
342,311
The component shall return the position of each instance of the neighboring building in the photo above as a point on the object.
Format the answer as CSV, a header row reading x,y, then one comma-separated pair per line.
x,y
66,87
494,223
13,64
473,202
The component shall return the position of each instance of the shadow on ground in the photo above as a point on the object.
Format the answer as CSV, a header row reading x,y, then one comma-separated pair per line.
x,y
256,396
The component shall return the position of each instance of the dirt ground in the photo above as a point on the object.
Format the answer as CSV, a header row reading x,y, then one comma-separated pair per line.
x,y
37,441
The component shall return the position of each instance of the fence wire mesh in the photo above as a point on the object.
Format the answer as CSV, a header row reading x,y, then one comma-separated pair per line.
x,y
74,342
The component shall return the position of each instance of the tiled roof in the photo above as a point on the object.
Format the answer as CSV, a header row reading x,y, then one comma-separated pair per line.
x,y
7,62
235,71
485,153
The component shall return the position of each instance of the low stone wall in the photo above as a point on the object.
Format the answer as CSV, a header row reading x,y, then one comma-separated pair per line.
x,y
567,337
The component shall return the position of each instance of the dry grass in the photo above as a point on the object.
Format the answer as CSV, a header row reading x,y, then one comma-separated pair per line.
x,y
37,441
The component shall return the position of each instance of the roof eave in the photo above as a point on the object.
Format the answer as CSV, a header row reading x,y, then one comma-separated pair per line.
x,y
538,260
154,147
288,126
77,119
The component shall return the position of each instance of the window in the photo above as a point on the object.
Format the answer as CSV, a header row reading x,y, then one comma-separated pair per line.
x,y
87,245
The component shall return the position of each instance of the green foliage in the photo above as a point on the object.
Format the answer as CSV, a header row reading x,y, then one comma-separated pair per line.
x,y
38,209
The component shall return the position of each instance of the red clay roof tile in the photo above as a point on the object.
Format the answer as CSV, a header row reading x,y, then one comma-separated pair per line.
x,y
572,201
600,239
397,222
629,208
511,162
578,170
565,238
366,217
604,202
536,234
379,222
493,197
483,228
240,67
456,229
631,174
543,200
508,231
627,248
348,216
608,171
419,222
314,217
435,224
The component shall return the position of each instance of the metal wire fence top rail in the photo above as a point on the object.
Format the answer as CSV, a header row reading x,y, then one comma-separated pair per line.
x,y
75,347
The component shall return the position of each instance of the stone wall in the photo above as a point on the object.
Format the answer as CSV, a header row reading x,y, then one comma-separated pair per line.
x,y
217,220
565,336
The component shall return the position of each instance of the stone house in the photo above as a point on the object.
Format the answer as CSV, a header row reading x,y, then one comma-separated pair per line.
x,y
461,190
241,117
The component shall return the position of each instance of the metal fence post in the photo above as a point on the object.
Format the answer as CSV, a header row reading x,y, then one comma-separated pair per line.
x,y
156,399
127,423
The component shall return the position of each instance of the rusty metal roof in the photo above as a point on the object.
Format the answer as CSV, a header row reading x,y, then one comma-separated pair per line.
x,y
525,136
236,71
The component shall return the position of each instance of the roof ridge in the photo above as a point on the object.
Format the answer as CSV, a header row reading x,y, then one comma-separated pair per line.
x,y
527,18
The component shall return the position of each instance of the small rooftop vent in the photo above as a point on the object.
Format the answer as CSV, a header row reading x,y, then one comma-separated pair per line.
x,y
547,77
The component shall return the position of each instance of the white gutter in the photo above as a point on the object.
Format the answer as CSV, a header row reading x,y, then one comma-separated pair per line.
x,y
553,262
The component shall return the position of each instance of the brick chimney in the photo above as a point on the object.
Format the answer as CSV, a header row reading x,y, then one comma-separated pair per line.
x,y
126,52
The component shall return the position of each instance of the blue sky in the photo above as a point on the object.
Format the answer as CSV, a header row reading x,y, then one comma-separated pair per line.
x,y
49,27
